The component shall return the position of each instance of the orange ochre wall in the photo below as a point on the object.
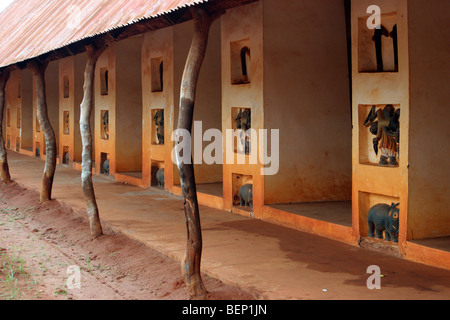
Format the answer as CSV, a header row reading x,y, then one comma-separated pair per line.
x,y
429,131
307,98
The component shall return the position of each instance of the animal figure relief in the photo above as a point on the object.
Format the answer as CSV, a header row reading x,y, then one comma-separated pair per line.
x,y
384,217
66,123
159,123
244,123
160,177
387,132
246,196
106,167
105,123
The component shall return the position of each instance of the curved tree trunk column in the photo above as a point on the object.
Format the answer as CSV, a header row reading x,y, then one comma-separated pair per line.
x,y
4,168
190,265
38,71
86,136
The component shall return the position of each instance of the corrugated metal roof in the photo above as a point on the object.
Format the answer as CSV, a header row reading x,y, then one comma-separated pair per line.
x,y
30,28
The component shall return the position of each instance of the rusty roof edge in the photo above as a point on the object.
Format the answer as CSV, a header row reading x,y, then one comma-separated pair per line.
x,y
21,64
81,42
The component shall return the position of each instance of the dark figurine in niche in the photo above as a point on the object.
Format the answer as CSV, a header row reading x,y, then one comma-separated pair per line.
x,y
105,123
245,52
160,177
161,74
159,122
393,35
38,152
379,32
66,158
66,122
246,196
106,81
387,132
384,217
244,123
106,167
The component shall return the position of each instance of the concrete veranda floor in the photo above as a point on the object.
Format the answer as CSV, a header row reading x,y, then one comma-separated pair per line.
x,y
270,261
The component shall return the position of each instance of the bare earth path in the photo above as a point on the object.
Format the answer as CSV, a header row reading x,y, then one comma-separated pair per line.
x,y
269,261
39,242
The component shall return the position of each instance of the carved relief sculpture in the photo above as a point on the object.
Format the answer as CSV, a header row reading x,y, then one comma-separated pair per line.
x,y
377,38
160,177
66,122
246,196
105,123
387,132
243,122
384,217
106,167
159,123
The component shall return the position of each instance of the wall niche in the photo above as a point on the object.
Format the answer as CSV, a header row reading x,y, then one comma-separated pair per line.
x,y
104,163
66,124
104,124
238,182
367,201
38,126
8,117
65,156
66,87
378,48
18,144
240,62
104,81
157,126
37,152
379,134
19,119
157,71
157,173
242,122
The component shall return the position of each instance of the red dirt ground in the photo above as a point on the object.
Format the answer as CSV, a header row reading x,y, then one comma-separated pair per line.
x,y
42,240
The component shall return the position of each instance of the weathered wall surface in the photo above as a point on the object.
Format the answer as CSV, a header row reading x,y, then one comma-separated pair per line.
x,y
66,108
129,105
157,45
52,92
307,97
208,107
374,183
13,102
429,132
78,74
242,26
105,102
27,109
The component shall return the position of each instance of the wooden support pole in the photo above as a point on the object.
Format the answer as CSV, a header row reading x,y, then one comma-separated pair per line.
x,y
38,70
190,265
86,107
4,168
